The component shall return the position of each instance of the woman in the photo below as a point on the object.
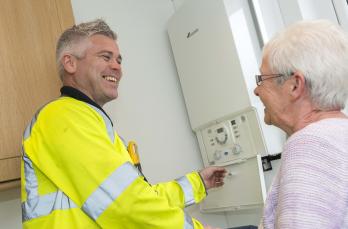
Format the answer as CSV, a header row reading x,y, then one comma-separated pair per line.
x,y
304,86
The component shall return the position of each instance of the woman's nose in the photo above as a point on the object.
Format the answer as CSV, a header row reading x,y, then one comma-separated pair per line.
x,y
256,91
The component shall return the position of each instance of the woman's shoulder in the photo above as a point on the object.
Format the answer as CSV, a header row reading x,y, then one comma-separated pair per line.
x,y
324,129
328,136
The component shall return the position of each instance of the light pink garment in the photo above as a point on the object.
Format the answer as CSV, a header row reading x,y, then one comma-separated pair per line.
x,y
311,187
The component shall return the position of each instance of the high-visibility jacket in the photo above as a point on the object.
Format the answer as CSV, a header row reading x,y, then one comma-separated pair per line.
x,y
77,173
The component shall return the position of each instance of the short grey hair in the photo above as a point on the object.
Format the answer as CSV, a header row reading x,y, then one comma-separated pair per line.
x,y
318,49
71,39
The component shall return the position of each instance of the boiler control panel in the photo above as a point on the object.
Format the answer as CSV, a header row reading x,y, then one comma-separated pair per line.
x,y
232,139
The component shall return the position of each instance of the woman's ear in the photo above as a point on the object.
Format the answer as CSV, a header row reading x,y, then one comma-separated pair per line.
x,y
297,85
69,63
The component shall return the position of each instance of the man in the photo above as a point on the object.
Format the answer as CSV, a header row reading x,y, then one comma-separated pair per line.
x,y
303,86
76,172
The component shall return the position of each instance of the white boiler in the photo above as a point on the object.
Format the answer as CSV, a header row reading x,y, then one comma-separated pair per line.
x,y
215,63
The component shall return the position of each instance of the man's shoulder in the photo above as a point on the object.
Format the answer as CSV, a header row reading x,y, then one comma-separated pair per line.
x,y
65,108
65,103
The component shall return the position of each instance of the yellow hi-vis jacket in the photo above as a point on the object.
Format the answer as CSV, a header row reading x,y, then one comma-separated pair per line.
x,y
77,173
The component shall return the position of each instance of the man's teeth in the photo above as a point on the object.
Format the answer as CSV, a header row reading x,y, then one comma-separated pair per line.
x,y
110,78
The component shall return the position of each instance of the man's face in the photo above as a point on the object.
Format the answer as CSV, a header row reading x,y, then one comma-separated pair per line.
x,y
99,72
272,95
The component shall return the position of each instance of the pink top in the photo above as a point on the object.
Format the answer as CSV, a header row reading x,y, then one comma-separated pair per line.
x,y
311,187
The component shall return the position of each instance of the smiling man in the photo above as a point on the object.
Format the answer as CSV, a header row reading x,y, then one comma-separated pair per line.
x,y
96,71
76,171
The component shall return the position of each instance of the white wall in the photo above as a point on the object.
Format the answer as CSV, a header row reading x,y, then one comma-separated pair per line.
x,y
341,9
293,11
10,209
269,16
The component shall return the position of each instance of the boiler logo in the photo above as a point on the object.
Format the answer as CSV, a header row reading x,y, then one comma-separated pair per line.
x,y
190,34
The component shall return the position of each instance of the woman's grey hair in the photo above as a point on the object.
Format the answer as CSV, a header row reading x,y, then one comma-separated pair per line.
x,y
72,39
319,50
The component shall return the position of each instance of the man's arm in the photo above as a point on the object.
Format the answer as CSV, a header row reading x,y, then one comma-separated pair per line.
x,y
72,147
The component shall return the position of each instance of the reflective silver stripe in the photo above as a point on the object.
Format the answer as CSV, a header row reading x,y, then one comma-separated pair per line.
x,y
123,141
109,190
44,205
37,206
31,184
28,129
188,191
108,124
188,224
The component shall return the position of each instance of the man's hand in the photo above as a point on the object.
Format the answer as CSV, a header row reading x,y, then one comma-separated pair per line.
x,y
213,176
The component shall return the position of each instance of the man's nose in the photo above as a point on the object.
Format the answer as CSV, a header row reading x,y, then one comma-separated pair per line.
x,y
115,64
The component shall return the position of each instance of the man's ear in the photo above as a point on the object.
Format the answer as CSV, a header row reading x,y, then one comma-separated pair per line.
x,y
69,63
297,85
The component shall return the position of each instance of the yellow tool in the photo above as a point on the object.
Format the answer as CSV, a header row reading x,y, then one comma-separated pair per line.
x,y
133,153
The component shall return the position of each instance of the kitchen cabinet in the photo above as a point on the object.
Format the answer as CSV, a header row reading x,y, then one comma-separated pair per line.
x,y
29,30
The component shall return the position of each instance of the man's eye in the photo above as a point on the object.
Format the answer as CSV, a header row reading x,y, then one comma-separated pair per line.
x,y
119,60
106,57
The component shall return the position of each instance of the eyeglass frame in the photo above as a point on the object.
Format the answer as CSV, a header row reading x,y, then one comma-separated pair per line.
x,y
258,78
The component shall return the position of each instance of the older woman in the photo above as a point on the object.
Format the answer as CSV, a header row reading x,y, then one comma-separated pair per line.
x,y
304,86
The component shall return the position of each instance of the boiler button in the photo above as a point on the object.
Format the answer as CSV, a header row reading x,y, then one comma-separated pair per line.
x,y
217,155
236,149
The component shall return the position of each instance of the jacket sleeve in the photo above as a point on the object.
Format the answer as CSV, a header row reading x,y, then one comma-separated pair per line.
x,y
73,147
184,191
